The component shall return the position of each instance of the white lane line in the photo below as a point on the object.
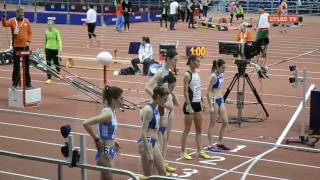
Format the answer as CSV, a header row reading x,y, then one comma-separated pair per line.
x,y
253,160
173,131
80,120
124,43
174,147
283,134
135,156
22,175
180,95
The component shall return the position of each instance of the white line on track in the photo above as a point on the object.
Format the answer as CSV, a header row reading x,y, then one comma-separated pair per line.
x,y
180,95
283,134
174,147
80,120
135,156
142,83
255,159
22,175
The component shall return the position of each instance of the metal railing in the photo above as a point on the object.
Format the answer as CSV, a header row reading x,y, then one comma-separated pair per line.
x,y
77,157
61,163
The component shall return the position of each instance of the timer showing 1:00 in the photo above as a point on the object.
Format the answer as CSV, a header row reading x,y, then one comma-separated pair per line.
x,y
200,51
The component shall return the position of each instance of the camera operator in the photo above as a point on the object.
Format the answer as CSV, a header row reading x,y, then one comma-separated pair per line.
x,y
244,35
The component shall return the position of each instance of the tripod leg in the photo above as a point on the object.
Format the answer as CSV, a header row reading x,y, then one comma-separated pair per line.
x,y
235,78
256,94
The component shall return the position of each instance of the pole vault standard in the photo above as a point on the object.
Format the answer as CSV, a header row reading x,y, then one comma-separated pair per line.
x,y
85,87
24,97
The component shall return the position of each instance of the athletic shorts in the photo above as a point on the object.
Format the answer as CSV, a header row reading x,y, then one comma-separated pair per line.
x,y
196,107
164,16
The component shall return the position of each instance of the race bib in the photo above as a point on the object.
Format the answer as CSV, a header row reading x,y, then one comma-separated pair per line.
x,y
16,30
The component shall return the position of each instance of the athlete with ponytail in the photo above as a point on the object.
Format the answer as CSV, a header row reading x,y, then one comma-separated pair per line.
x,y
217,106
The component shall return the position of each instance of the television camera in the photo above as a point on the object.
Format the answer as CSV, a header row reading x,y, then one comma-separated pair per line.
x,y
243,53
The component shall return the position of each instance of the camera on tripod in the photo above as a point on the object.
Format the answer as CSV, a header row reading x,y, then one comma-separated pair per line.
x,y
243,52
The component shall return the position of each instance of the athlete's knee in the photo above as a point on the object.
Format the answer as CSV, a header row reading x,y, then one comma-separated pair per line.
x,y
225,122
198,130
186,130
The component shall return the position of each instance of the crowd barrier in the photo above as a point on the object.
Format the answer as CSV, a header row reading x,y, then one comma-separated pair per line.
x,y
76,18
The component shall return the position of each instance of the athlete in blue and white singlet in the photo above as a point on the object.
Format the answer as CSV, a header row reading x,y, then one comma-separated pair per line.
x,y
217,106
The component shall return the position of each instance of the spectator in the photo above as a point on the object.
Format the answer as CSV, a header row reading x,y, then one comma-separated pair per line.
x,y
174,5
91,23
239,12
119,14
164,15
145,57
231,7
127,9
53,45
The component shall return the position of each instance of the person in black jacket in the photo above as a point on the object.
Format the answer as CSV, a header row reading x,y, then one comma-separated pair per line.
x,y
127,10
164,14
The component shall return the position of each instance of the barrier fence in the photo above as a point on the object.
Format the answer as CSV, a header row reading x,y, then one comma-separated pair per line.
x,y
147,10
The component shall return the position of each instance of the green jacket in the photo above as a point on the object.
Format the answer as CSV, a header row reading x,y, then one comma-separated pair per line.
x,y
53,39
239,10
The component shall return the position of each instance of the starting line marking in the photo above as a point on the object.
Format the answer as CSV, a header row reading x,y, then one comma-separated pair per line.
x,y
212,160
175,147
187,172
135,156
238,148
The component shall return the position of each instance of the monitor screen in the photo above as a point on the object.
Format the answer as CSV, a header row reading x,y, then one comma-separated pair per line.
x,y
229,47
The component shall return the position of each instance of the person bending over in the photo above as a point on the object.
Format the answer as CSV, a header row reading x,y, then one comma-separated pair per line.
x,y
148,142
106,121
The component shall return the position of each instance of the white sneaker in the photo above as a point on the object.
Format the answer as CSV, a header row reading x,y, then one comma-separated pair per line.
x,y
161,29
165,29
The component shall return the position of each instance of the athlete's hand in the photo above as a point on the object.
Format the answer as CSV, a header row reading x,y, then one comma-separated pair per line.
x,y
204,107
99,145
189,109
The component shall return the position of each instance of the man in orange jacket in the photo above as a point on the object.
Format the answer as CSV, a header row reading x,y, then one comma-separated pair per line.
x,y
21,38
244,35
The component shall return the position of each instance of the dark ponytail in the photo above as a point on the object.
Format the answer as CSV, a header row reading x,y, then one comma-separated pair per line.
x,y
192,58
111,92
170,78
216,64
159,91
170,54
